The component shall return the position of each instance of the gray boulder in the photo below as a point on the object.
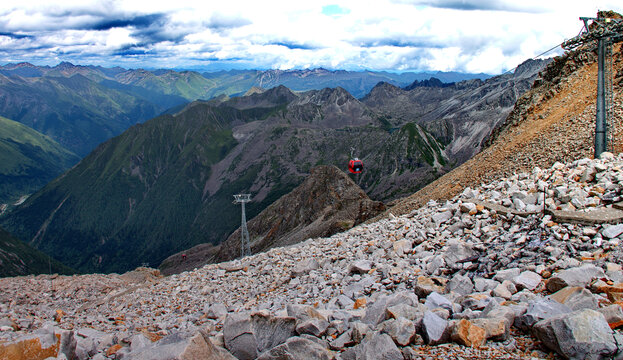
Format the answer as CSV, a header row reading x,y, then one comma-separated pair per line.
x,y
538,310
435,300
612,313
304,312
197,346
441,217
527,280
435,329
377,311
216,311
457,251
401,330
460,284
583,334
576,298
247,335
612,231
313,326
296,348
239,336
578,276
342,341
360,267
506,274
305,266
482,284
413,313
374,346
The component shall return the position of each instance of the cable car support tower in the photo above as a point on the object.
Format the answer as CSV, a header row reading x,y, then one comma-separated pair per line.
x,y
602,32
245,243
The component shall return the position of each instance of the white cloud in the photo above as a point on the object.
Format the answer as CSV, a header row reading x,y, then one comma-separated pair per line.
x,y
475,36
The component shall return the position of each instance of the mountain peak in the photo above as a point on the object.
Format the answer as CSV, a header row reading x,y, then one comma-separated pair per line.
x,y
267,98
64,65
20,65
326,96
433,82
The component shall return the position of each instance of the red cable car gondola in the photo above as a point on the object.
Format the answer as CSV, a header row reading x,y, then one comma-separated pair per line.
x,y
355,166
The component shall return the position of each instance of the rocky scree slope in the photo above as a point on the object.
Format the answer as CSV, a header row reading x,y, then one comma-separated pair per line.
x,y
327,202
450,279
554,121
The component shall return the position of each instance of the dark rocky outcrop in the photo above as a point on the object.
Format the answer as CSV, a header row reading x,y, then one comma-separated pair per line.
x,y
328,201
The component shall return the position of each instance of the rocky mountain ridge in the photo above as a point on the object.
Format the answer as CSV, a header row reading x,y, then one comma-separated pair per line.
x,y
461,115
451,279
82,106
328,201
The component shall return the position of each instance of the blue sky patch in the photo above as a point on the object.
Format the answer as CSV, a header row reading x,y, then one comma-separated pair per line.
x,y
334,10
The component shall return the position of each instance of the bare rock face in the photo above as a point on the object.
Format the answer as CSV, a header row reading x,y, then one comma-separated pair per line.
x,y
327,202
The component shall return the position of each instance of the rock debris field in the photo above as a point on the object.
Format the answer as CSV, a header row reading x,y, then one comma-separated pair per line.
x,y
453,280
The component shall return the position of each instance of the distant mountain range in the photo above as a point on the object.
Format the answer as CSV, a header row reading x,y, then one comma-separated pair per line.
x,y
167,185
83,106
28,160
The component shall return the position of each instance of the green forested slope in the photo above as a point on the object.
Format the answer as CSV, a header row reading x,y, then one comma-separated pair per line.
x,y
28,160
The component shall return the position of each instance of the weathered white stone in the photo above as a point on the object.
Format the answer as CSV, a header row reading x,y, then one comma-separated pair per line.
x,y
442,217
401,330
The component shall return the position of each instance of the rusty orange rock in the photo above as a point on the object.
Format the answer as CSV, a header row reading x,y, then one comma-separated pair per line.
x,y
468,334
113,349
615,325
29,349
614,292
359,303
59,315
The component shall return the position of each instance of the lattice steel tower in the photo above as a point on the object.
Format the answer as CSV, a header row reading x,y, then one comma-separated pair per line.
x,y
245,243
601,32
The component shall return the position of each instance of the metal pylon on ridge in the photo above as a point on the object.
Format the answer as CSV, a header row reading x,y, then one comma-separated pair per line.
x,y
245,243
601,32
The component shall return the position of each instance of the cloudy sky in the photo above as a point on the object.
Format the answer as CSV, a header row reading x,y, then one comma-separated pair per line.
x,y
397,35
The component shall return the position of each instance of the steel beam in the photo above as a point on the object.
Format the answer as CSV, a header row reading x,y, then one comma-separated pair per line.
x,y
600,124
